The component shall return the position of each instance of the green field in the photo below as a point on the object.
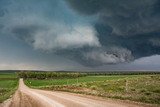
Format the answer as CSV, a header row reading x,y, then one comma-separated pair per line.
x,y
8,85
141,88
35,83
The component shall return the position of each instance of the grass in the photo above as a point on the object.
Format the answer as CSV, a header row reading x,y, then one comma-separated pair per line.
x,y
8,85
8,76
35,83
141,88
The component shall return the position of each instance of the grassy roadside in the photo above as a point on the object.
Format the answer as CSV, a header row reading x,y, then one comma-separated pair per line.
x,y
8,85
36,83
141,88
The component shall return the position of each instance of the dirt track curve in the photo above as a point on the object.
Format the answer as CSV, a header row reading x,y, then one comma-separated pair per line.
x,y
27,97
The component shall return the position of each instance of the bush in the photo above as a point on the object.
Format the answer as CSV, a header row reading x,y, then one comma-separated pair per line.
x,y
143,90
93,87
147,93
133,89
156,91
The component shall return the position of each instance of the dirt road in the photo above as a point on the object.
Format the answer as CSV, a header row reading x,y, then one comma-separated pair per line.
x,y
26,97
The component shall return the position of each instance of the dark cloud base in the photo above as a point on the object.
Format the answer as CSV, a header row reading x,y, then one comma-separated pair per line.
x,y
125,23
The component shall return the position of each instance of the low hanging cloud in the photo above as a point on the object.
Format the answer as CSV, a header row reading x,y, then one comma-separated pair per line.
x,y
97,32
58,38
112,56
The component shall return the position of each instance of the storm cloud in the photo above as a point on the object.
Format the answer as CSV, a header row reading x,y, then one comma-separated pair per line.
x,y
91,32
133,25
125,17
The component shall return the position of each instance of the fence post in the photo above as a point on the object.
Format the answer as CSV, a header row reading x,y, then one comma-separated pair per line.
x,y
77,80
67,81
126,85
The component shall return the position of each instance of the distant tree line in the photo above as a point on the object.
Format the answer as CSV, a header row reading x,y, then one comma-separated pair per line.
x,y
65,74
122,73
49,75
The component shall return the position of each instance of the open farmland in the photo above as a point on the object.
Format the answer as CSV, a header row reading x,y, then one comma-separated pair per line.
x,y
36,83
140,88
8,85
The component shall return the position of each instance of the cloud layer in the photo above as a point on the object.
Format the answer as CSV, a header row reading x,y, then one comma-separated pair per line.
x,y
125,17
97,32
133,25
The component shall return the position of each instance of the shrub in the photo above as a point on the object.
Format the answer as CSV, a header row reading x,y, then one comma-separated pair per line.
x,y
93,87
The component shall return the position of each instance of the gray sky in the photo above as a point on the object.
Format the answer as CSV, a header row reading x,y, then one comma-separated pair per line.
x,y
80,34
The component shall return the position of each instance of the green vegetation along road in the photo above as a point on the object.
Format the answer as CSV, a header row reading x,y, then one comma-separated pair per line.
x,y
8,85
27,97
140,88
